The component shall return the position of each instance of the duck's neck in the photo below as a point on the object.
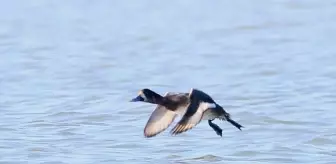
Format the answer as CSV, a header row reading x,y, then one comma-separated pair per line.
x,y
157,99
165,102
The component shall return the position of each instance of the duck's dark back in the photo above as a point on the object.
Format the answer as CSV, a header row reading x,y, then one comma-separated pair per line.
x,y
199,95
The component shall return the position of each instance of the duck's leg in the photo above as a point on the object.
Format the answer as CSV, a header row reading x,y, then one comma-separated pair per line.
x,y
215,127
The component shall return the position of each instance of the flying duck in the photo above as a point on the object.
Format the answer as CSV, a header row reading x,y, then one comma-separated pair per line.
x,y
194,107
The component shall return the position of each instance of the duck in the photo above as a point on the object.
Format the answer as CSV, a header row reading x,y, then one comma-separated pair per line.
x,y
193,107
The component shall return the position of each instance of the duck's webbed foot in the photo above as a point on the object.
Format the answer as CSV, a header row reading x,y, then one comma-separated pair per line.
x,y
215,127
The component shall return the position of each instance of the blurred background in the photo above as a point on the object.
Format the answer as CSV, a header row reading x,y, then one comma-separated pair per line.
x,y
69,68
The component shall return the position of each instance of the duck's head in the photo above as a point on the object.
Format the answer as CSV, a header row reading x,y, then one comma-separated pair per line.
x,y
147,95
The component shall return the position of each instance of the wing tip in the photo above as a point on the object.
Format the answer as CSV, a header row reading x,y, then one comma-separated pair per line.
x,y
178,129
149,134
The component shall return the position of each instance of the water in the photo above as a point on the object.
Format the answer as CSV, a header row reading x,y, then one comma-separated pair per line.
x,y
69,68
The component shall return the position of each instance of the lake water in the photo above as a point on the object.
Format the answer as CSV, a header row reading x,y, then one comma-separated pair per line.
x,y
69,68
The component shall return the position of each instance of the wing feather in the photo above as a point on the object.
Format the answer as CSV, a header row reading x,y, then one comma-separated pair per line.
x,y
193,115
159,120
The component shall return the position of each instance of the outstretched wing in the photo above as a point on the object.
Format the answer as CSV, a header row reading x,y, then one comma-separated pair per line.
x,y
198,104
160,119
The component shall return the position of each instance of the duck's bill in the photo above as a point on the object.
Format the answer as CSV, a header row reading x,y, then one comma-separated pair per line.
x,y
138,98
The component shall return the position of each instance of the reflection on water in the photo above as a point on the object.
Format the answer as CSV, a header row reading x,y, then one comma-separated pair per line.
x,y
69,69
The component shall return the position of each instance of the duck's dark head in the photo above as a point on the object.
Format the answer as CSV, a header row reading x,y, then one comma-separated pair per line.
x,y
147,95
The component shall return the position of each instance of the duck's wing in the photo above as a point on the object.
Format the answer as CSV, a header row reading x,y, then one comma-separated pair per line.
x,y
199,102
180,101
161,117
